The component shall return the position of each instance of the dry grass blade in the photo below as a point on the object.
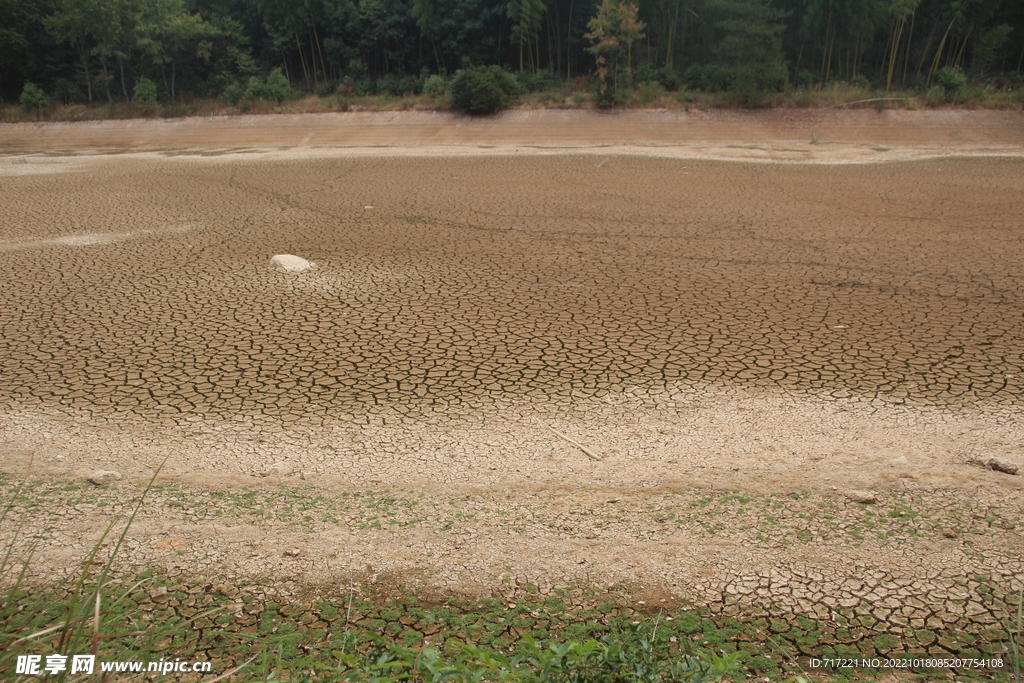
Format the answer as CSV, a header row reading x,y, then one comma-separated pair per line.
x,y
590,454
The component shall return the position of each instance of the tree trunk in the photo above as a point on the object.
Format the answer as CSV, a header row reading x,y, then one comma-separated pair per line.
x,y
671,39
938,52
88,78
568,44
894,52
906,60
302,58
323,63
124,88
106,81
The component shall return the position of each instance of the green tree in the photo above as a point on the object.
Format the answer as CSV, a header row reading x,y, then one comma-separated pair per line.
x,y
33,97
76,22
278,86
749,46
483,90
145,91
528,18
169,35
613,30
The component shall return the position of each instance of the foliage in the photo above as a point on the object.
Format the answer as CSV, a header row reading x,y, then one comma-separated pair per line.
x,y
648,91
707,78
435,86
84,50
613,27
629,657
667,76
233,93
76,623
255,89
278,86
483,90
749,50
33,97
145,91
951,78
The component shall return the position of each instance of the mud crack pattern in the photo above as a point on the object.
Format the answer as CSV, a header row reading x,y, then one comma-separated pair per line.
x,y
139,288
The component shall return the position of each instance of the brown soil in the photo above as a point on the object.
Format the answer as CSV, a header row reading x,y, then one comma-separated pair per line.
x,y
643,284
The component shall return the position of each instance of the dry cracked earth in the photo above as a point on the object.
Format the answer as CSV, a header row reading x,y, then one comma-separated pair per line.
x,y
665,367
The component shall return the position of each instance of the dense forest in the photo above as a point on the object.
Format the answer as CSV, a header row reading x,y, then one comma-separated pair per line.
x,y
105,50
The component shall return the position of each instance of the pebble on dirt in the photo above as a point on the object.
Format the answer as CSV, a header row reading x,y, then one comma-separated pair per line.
x,y
1005,466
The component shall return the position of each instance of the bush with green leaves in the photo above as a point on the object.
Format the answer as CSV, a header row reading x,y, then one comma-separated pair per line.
x,y
483,89
145,91
951,78
233,93
278,86
435,86
33,97
256,89
539,81
648,91
666,76
707,78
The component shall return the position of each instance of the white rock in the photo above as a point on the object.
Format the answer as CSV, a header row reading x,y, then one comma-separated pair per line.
x,y
101,477
862,497
289,263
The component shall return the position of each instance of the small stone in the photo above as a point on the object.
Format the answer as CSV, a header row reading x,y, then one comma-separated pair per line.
x,y
862,497
900,461
293,552
949,533
289,263
159,594
1005,466
101,477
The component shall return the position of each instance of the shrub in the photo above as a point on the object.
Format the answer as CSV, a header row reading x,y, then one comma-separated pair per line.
x,y
483,90
536,82
279,88
669,78
324,89
666,76
710,78
803,79
33,97
145,91
685,95
650,91
435,86
364,87
934,96
860,81
951,78
233,93
255,89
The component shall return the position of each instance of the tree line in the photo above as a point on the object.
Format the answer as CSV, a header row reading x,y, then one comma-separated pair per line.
x,y
102,50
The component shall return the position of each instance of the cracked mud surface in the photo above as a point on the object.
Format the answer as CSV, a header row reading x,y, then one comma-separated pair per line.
x,y
702,321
